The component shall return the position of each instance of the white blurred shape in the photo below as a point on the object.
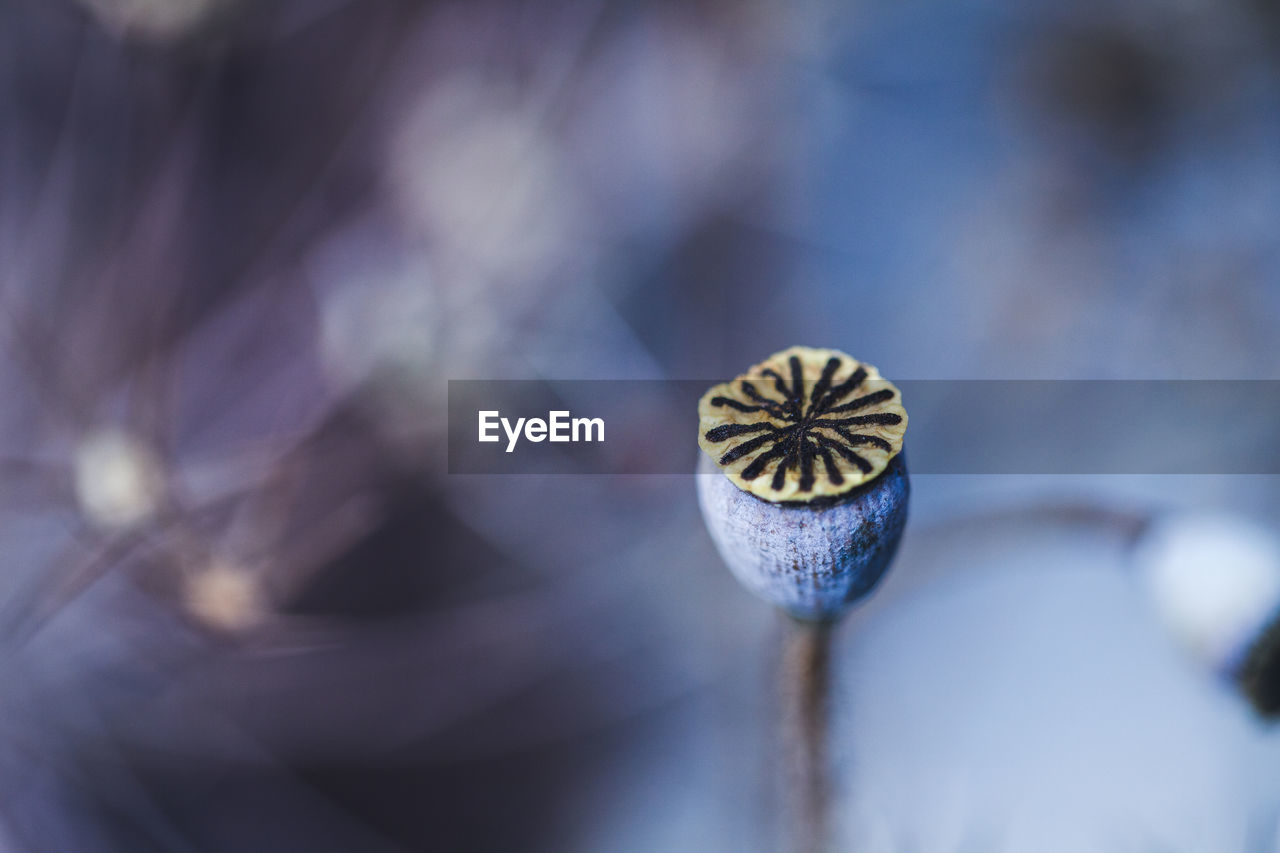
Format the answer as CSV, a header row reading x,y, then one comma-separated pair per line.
x,y
118,479
1214,581
156,19
483,180
379,327
387,333
225,597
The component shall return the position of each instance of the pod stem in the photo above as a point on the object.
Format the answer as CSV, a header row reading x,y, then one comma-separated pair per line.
x,y
805,682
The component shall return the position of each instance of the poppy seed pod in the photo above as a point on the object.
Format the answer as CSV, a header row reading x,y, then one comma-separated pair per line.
x,y
802,482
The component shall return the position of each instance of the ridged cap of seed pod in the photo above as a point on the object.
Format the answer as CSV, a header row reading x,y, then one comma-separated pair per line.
x,y
804,424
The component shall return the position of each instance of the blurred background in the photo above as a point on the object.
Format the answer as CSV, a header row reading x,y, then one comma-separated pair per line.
x,y
245,243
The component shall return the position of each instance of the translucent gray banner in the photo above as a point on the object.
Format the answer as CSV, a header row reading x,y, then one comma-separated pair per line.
x,y
956,427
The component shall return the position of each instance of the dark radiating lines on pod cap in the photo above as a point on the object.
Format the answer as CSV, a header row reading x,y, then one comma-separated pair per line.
x,y
802,425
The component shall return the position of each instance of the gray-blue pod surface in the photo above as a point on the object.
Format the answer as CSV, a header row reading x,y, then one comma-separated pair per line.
x,y
814,560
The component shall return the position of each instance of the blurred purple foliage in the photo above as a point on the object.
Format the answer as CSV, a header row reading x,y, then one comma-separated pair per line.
x,y
243,245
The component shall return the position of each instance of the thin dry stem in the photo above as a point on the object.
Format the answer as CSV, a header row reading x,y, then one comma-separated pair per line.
x,y
805,684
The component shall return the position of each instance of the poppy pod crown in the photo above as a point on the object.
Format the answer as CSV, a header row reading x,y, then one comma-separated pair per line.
x,y
802,425
803,483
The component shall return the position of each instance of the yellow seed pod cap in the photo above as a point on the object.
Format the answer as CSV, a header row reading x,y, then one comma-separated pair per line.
x,y
802,425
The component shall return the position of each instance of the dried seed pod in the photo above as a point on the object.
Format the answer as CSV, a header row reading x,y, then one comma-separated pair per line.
x,y
815,421
823,441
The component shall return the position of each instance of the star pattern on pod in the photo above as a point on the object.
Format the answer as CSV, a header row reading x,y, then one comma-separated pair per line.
x,y
803,424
